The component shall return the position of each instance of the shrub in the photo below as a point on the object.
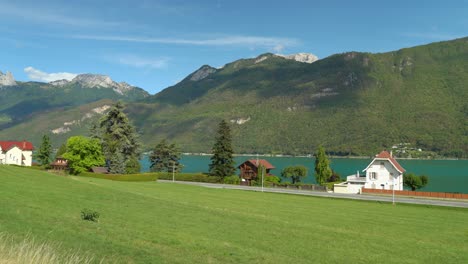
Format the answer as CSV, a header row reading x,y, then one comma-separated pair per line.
x,y
194,177
123,177
89,215
234,179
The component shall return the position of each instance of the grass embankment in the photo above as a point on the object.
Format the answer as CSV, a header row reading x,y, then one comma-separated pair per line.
x,y
151,222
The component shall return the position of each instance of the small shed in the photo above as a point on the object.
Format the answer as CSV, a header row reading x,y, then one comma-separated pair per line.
x,y
249,170
59,164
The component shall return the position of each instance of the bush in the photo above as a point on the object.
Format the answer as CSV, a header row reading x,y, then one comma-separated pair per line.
x,y
89,215
123,177
193,177
234,179
335,177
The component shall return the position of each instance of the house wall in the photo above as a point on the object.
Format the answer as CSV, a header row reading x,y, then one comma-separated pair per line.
x,y
348,187
28,158
13,156
385,174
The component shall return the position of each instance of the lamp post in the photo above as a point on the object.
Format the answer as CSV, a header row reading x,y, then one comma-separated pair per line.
x,y
173,165
393,191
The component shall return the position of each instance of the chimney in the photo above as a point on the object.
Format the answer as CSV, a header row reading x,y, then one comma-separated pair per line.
x,y
391,153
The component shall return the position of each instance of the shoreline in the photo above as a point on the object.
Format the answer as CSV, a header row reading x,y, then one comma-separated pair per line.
x,y
311,156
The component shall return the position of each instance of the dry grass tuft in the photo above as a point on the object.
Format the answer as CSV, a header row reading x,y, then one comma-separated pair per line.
x,y
29,251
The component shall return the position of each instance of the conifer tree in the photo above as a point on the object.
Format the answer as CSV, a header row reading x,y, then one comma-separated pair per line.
x,y
222,162
119,141
165,157
44,154
322,166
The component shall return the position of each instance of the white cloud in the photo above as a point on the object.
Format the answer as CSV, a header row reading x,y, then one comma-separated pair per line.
x,y
250,41
43,15
38,75
138,62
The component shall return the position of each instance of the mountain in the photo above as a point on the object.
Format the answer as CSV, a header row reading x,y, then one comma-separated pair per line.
x,y
7,79
352,103
20,101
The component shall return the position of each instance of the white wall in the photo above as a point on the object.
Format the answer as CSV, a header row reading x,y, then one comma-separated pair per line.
x,y
28,158
385,174
13,156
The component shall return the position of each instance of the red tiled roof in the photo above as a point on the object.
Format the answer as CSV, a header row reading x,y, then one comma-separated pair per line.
x,y
262,162
385,155
23,145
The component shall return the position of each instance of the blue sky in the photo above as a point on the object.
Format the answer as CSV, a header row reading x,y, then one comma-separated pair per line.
x,y
155,44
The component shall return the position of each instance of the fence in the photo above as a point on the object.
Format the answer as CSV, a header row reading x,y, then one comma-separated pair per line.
x,y
422,194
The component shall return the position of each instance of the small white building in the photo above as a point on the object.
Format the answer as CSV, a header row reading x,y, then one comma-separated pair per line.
x,y
384,172
16,152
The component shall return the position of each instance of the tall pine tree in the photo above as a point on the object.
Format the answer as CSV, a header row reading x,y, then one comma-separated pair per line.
x,y
322,166
44,154
222,162
119,141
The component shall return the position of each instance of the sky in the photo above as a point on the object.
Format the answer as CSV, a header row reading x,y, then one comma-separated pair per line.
x,y
155,44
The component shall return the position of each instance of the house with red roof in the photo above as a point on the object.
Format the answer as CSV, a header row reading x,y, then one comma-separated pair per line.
x,y
384,172
16,152
249,170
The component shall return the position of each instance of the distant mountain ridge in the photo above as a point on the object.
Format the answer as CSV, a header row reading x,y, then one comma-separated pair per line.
x,y
20,101
352,103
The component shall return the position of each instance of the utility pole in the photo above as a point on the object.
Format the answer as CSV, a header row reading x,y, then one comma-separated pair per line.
x,y
173,164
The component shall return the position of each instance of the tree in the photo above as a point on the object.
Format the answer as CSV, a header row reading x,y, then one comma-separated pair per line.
x,y
295,173
165,156
61,150
119,141
415,182
83,153
44,153
222,162
322,166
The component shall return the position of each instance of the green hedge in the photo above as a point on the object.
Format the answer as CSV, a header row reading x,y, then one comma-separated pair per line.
x,y
122,177
194,177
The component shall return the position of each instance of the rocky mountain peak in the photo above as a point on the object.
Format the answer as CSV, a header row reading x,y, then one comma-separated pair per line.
x,y
59,82
97,81
202,73
300,57
7,79
94,80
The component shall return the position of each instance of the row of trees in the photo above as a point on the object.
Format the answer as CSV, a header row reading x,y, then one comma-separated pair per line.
x,y
114,142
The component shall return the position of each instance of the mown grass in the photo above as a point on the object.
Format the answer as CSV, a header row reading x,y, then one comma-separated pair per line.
x,y
153,222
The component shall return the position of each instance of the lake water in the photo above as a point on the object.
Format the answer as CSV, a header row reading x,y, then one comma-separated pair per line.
x,y
444,175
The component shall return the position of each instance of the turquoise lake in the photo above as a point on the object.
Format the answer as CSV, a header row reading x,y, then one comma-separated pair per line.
x,y
444,175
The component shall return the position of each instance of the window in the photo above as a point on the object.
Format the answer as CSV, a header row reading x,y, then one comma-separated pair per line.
x,y
382,165
373,175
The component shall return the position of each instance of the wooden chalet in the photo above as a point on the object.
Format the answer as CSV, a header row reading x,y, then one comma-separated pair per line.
x,y
59,164
249,170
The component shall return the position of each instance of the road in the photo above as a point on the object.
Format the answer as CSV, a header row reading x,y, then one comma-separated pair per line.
x,y
366,197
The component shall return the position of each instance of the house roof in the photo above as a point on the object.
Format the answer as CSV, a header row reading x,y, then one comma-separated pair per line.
x,y
262,162
385,155
23,145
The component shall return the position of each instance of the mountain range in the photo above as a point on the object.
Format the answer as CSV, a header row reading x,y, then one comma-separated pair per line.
x,y
354,103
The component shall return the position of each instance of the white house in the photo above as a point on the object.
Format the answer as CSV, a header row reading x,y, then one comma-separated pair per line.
x,y
16,152
384,172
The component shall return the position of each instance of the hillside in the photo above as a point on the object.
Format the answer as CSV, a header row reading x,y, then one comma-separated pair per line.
x,y
352,103
21,101
156,222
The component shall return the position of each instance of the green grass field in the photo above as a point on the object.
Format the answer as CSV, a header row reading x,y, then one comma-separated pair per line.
x,y
151,222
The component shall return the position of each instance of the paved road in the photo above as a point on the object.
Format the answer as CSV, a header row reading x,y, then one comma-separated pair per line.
x,y
398,199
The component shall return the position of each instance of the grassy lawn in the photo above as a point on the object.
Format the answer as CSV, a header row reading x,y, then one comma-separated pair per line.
x,y
151,222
